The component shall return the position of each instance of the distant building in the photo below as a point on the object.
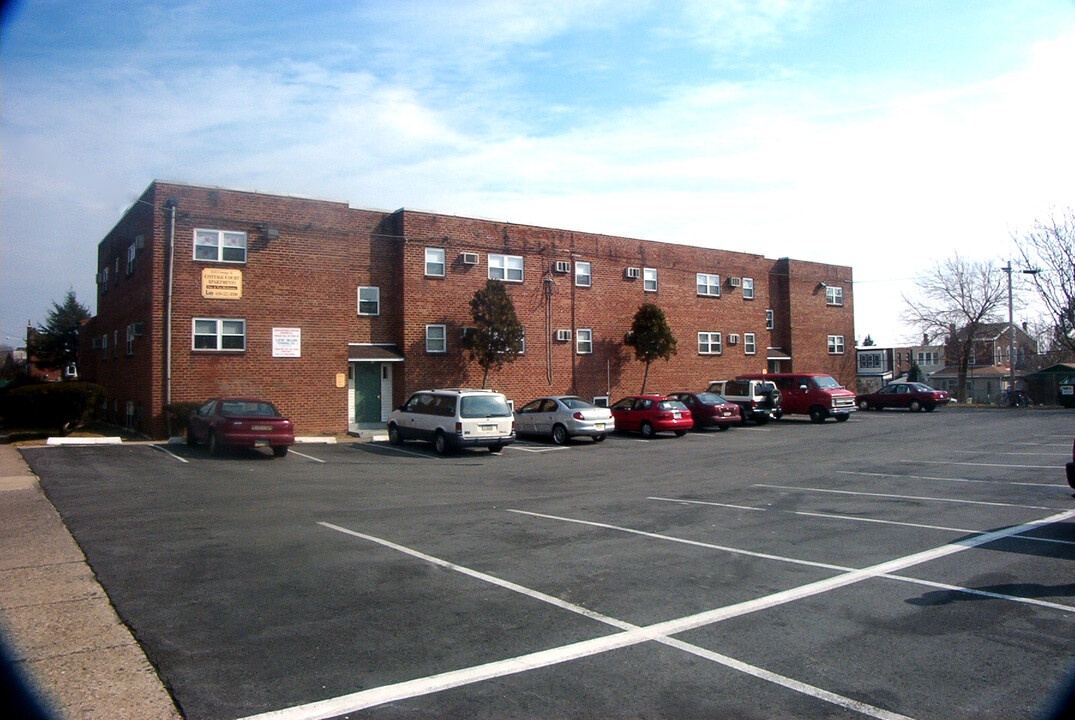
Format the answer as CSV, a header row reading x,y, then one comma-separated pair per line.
x,y
879,365
989,371
337,314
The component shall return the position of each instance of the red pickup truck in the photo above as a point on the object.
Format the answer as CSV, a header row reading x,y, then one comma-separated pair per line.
x,y
815,394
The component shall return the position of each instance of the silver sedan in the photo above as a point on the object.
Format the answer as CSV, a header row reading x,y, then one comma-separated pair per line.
x,y
562,417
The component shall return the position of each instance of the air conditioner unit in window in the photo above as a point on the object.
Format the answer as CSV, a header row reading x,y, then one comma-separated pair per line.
x,y
733,339
469,258
138,329
633,272
140,242
562,266
735,282
563,335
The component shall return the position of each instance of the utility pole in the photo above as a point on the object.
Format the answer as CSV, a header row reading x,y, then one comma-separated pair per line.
x,y
1011,332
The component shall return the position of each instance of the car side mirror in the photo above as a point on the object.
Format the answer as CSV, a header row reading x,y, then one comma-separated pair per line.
x,y
802,387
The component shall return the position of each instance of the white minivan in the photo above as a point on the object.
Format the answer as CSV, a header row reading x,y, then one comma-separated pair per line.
x,y
454,418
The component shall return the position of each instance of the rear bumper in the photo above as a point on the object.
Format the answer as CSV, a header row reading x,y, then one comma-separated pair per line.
x,y
458,441
590,428
256,439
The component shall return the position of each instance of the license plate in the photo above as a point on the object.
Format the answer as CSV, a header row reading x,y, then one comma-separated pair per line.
x,y
599,426
261,428
725,414
261,443
488,428
1067,391
675,416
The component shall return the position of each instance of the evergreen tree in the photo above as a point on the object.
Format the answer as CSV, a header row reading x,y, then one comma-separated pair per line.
x,y
54,344
497,335
651,337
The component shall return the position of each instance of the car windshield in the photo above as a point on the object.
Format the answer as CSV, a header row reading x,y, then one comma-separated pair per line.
x,y
574,403
827,383
245,408
709,398
480,406
671,405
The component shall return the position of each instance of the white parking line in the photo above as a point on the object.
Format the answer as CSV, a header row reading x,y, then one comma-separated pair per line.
x,y
994,452
946,479
169,453
631,635
977,464
534,448
303,455
904,497
393,448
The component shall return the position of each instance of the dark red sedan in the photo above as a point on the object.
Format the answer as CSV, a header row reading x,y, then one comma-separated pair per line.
x,y
240,422
650,414
709,409
914,396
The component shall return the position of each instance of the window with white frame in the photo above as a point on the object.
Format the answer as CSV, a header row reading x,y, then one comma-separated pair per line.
x,y
104,346
583,341
132,252
369,301
834,295
435,262
115,343
750,344
220,246
710,343
836,344
649,279
748,288
708,285
508,268
130,340
769,320
436,339
104,279
583,277
219,334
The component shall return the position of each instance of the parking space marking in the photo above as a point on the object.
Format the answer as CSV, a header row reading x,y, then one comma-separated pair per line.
x,y
945,479
977,464
904,497
303,455
810,563
534,448
393,448
994,452
631,635
169,453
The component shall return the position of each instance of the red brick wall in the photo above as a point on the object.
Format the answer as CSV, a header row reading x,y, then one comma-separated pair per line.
x,y
308,276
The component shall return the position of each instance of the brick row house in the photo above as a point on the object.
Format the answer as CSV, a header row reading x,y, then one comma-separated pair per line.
x,y
337,314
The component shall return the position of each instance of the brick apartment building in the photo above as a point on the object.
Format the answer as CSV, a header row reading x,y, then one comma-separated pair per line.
x,y
337,313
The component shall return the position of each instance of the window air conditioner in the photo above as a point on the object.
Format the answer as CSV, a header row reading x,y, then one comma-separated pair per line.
x,y
138,329
563,335
469,258
733,339
735,282
633,272
562,266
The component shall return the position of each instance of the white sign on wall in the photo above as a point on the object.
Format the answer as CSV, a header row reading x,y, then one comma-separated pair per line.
x,y
287,342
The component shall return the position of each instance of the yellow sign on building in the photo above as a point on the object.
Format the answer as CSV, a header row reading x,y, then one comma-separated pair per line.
x,y
222,283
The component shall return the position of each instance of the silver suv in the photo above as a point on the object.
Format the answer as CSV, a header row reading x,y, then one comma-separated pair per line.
x,y
453,418
758,400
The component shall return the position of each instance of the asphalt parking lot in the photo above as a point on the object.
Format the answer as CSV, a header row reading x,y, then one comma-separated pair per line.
x,y
897,565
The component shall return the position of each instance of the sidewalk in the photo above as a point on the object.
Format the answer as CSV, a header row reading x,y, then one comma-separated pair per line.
x,y
57,625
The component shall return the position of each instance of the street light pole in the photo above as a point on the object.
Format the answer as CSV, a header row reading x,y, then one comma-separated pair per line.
x,y
1011,332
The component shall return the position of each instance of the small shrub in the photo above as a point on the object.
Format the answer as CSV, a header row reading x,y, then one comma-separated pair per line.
x,y
178,412
51,405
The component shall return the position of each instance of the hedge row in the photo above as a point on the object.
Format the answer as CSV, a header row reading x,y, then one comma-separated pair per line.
x,y
51,405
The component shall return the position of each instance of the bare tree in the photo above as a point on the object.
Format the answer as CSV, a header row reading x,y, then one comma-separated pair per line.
x,y
1050,248
955,298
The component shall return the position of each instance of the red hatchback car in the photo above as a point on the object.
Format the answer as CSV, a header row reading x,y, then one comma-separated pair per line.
x,y
911,395
240,422
709,410
650,414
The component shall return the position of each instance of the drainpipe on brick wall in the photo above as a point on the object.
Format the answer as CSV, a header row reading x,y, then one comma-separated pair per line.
x,y
170,204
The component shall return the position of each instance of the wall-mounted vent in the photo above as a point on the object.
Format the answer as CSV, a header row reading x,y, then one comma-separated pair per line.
x,y
733,339
469,258
561,266
633,273
735,281
563,335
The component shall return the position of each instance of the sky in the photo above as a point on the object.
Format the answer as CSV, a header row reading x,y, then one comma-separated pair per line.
x,y
885,135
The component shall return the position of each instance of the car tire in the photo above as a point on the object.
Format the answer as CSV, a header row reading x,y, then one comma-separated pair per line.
x,y
817,415
559,434
279,451
863,405
599,438
191,440
647,430
214,444
915,406
931,407
440,443
393,435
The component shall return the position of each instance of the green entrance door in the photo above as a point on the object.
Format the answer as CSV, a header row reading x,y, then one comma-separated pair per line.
x,y
367,392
